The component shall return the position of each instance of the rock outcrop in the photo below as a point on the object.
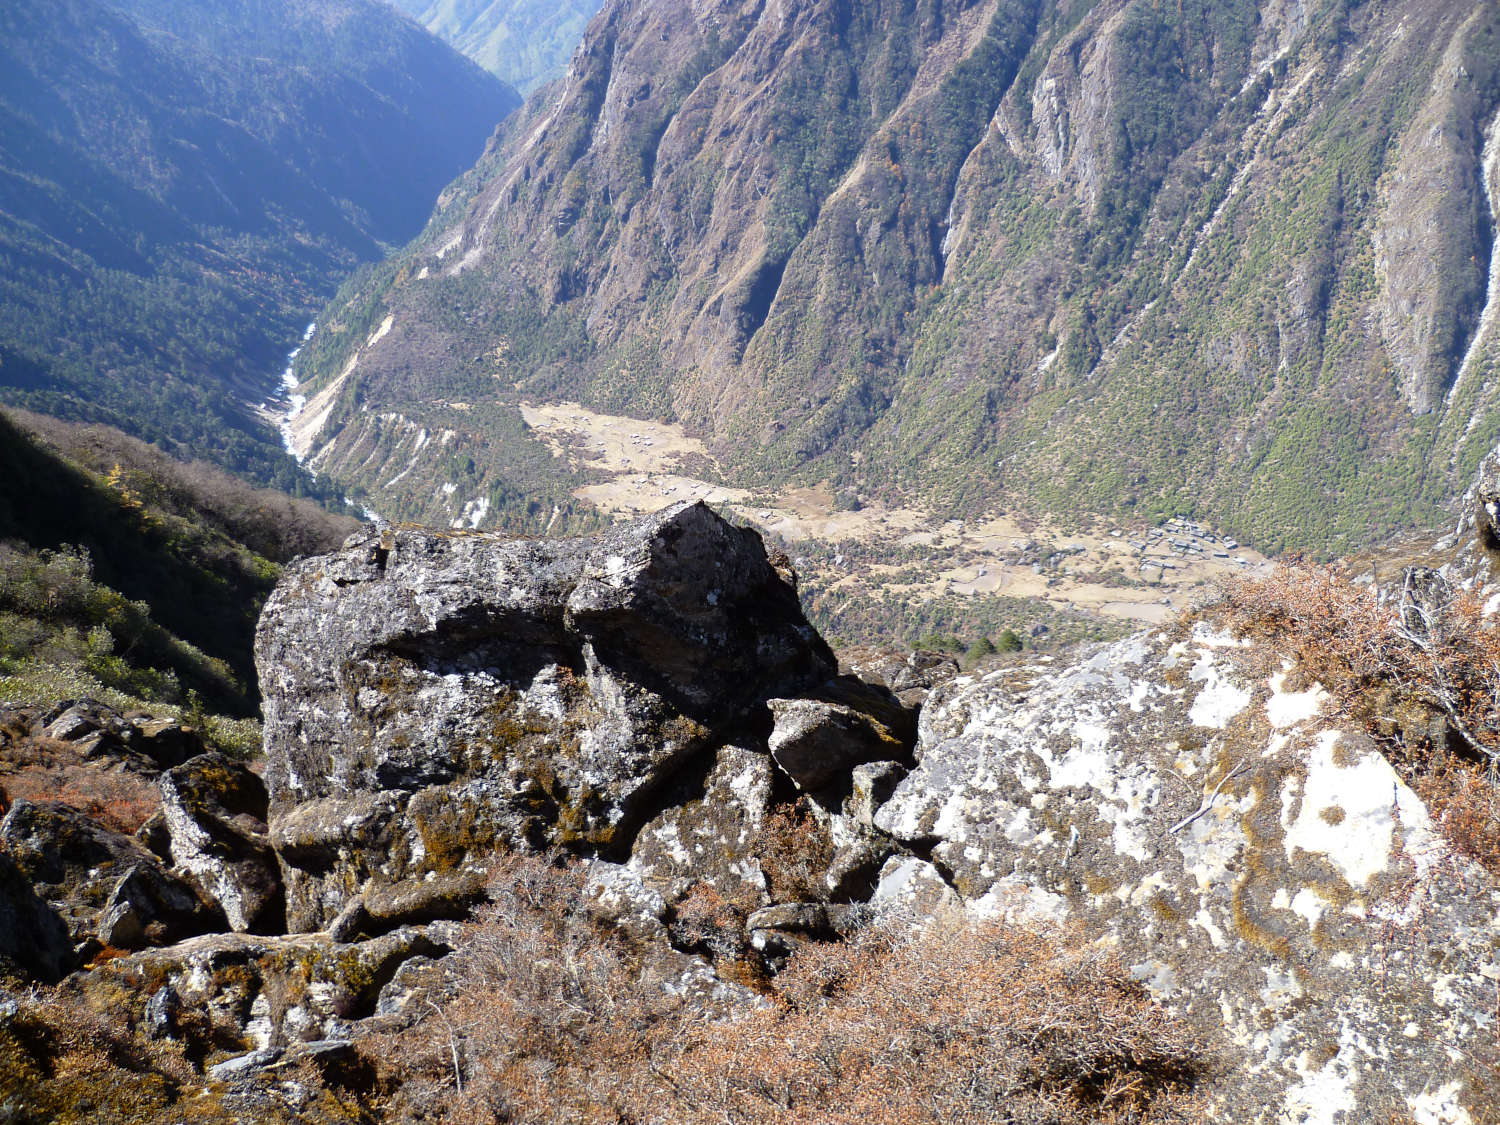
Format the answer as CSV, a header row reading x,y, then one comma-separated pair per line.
x,y
429,697
653,702
262,992
138,743
1256,862
108,889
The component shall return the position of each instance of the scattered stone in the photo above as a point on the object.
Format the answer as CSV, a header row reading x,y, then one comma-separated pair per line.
x,y
265,991
242,1066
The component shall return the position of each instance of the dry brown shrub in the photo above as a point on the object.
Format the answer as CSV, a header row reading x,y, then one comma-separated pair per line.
x,y
559,1020
795,852
1465,805
1393,664
43,770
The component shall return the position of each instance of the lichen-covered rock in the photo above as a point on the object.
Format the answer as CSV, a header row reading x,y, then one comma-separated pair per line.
x,y
707,829
1258,864
617,895
258,991
107,888
778,931
428,696
215,809
860,848
908,676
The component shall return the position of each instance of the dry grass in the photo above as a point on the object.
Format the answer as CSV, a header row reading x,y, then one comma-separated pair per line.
x,y
795,852
1421,674
559,1020
41,769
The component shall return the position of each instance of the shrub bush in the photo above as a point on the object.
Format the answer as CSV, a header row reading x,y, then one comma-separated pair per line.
x,y
556,1018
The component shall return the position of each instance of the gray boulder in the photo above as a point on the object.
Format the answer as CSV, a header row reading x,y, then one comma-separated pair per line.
x,y
215,811
139,742
259,991
430,696
107,888
707,830
817,742
1255,861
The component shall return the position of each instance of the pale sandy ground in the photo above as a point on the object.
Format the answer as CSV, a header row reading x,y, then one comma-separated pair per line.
x,y
647,460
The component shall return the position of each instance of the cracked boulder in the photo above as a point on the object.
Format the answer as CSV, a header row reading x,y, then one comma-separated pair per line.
x,y
106,887
429,697
215,812
1255,861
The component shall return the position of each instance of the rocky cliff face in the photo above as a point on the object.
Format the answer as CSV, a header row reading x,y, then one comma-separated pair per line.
x,y
1116,254
1188,799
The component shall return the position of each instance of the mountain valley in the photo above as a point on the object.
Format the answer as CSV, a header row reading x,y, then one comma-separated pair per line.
x,y
922,561
1057,257
180,190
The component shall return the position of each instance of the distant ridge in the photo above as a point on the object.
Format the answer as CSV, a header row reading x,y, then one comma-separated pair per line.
x,y
524,42
1212,259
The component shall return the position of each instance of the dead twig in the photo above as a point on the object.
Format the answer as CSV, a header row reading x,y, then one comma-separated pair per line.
x,y
1208,802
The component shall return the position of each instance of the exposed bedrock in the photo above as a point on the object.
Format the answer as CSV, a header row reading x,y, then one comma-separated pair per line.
x,y
1252,858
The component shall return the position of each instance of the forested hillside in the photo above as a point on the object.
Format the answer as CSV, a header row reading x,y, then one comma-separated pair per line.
x,y
1222,259
182,184
122,570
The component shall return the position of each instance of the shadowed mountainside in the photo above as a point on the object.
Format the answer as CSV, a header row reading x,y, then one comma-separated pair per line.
x,y
182,184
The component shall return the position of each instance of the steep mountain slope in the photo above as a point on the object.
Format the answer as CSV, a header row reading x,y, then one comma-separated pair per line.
x,y
181,184
523,42
1227,259
123,569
